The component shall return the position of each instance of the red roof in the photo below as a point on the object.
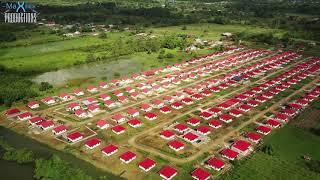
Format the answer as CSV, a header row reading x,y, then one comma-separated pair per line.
x,y
193,120
205,114
225,117
176,144
109,149
147,163
281,116
235,112
145,106
46,124
216,163
134,122
93,107
241,145
118,128
132,111
93,142
168,172
263,129
229,153
203,129
214,123
60,129
24,115
215,110
32,103
200,174
150,115
244,107
101,123
190,136
12,111
180,127
165,109
75,135
157,102
273,123
176,104
167,133
127,156
36,119
117,117
253,136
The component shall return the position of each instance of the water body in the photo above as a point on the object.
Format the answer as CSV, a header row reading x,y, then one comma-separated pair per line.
x,y
101,69
43,151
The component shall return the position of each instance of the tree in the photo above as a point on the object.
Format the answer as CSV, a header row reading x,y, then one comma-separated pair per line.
x,y
19,155
45,86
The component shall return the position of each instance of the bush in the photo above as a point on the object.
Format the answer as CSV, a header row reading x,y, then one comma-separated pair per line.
x,y
20,155
314,165
169,55
45,86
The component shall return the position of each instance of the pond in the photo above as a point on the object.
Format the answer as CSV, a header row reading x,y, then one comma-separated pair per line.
x,y
98,70
43,151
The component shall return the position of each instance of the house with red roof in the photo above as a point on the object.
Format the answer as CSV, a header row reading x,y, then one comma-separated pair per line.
x,y
132,112
109,149
181,128
187,101
216,163
145,107
267,95
122,99
190,137
302,102
167,134
48,100
197,96
281,117
150,116
225,118
59,130
215,124
265,130
157,103
289,112
73,106
235,112
135,123
168,172
118,118
129,89
24,116
127,157
242,97
206,115
215,89
244,108
273,123
168,99
241,146
45,125
93,108
147,164
165,110
200,174
229,154
92,143
78,92
193,121
74,137
204,130
134,95
176,105
102,124
176,145
295,106
206,93
103,85
216,111
12,111
36,120
253,137
118,129
252,103
92,89
33,104
65,97
80,113
109,104
104,97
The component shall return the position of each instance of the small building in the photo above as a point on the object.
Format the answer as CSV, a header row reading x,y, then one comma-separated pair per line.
x,y
75,137
78,92
191,137
241,146
147,164
24,116
272,123
168,172
127,157
93,108
59,130
176,145
45,125
65,97
176,105
200,174
80,113
118,118
109,149
165,110
187,101
146,107
102,124
167,134
33,104
92,89
48,100
133,112
135,123
204,130
118,129
229,154
206,115
193,121
150,116
265,130
181,128
215,124
92,143
253,137
225,118
216,163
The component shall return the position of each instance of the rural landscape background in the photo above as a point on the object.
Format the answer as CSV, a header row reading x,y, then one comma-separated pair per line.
x,y
78,43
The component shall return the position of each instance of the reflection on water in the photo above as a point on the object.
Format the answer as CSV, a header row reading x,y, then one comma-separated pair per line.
x,y
103,69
